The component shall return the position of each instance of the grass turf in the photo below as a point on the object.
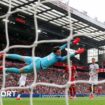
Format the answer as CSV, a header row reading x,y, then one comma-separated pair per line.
x,y
55,101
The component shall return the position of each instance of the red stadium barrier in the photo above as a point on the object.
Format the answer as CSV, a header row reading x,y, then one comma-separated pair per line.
x,y
101,70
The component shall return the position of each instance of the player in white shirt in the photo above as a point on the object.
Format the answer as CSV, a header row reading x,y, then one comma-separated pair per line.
x,y
22,83
93,77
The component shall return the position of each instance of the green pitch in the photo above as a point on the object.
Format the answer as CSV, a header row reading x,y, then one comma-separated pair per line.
x,y
55,101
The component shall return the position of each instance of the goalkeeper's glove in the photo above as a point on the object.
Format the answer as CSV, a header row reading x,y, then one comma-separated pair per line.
x,y
76,41
80,51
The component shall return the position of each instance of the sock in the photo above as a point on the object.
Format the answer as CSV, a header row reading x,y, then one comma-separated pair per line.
x,y
12,70
94,89
18,95
74,91
71,91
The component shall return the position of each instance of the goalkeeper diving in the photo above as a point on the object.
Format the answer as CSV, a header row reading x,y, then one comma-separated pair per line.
x,y
41,63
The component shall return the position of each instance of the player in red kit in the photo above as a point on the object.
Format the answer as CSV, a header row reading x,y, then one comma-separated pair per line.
x,y
72,88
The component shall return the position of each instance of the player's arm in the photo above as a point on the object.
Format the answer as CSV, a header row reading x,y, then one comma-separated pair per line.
x,y
79,51
74,42
91,74
65,57
97,70
89,69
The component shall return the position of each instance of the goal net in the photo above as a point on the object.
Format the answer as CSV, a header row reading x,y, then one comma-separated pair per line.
x,y
36,42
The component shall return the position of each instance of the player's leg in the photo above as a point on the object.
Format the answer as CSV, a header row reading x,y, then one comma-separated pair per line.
x,y
94,88
10,70
25,69
71,92
91,91
19,94
22,82
30,68
13,56
74,91
26,59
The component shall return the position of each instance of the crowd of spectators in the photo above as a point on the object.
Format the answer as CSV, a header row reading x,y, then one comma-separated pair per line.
x,y
52,75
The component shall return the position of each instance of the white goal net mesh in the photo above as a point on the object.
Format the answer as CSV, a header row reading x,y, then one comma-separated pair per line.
x,y
35,44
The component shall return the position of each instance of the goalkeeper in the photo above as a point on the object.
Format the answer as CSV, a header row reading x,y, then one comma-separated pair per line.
x,y
40,63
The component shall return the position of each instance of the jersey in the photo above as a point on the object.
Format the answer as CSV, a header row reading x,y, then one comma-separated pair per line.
x,y
93,72
73,72
50,60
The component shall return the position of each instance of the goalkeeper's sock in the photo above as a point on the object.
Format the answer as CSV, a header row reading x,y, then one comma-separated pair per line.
x,y
12,70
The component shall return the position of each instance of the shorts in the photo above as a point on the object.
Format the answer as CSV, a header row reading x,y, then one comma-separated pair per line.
x,y
22,82
94,80
72,80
